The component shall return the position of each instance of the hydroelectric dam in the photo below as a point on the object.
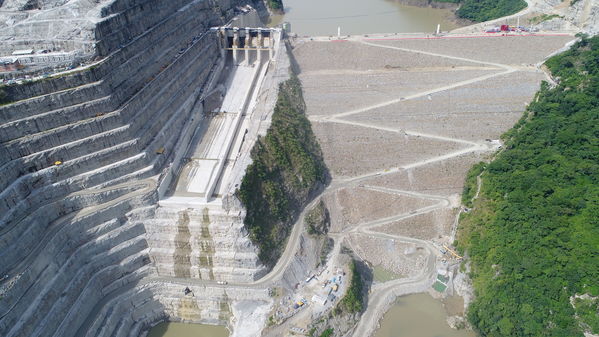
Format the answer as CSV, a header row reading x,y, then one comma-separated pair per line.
x,y
128,127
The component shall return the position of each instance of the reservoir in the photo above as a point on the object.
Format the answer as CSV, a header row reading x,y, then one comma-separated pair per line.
x,y
171,329
418,315
322,17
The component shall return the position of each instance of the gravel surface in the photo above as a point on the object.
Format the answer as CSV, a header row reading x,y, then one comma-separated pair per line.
x,y
427,226
440,178
352,150
493,106
497,48
360,205
351,89
398,257
313,56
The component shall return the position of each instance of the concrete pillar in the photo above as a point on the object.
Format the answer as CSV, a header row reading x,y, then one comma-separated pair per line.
x,y
271,44
235,44
248,44
223,42
259,45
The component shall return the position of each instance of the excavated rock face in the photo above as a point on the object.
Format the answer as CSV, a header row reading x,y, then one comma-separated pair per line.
x,y
54,25
79,169
24,5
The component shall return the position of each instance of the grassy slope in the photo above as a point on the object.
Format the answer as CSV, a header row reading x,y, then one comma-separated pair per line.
x,y
533,237
353,301
287,168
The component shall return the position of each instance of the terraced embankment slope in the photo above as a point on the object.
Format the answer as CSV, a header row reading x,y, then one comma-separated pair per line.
x,y
400,123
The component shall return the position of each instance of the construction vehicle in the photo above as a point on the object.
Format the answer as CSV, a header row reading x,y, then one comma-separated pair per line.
x,y
452,252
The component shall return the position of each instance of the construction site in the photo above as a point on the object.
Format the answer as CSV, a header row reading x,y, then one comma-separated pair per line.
x,y
410,117
123,148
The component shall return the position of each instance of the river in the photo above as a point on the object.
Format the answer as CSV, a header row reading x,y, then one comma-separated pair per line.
x,y
418,315
322,17
170,329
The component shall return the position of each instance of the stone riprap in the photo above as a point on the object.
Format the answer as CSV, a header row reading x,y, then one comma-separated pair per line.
x,y
85,249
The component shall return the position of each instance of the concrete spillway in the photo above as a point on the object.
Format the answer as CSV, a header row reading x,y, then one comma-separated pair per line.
x,y
95,224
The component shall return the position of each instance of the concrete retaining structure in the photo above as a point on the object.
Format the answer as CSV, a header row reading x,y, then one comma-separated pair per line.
x,y
82,156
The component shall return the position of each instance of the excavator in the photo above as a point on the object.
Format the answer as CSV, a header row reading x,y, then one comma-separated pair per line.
x,y
452,252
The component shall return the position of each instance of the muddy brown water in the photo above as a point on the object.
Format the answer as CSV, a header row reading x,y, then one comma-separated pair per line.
x,y
418,315
322,17
170,329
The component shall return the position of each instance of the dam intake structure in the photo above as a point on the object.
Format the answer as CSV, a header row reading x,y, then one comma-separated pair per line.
x,y
209,219
117,183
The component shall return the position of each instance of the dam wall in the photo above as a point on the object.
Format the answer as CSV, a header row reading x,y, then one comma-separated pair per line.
x,y
82,154
206,243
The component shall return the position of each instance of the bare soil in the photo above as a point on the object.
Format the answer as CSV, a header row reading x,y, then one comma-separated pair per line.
x,y
400,258
427,226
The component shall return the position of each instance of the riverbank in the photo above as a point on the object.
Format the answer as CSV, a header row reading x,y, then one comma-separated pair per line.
x,y
429,4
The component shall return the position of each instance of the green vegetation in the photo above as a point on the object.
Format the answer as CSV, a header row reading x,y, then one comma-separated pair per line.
x,y
380,274
483,10
275,5
287,169
317,225
533,235
327,333
587,310
471,184
352,302
317,220
543,17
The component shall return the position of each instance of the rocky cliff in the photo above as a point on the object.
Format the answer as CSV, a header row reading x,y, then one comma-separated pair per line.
x,y
82,155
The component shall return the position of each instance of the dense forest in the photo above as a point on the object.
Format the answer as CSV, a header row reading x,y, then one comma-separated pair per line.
x,y
533,235
287,169
483,10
